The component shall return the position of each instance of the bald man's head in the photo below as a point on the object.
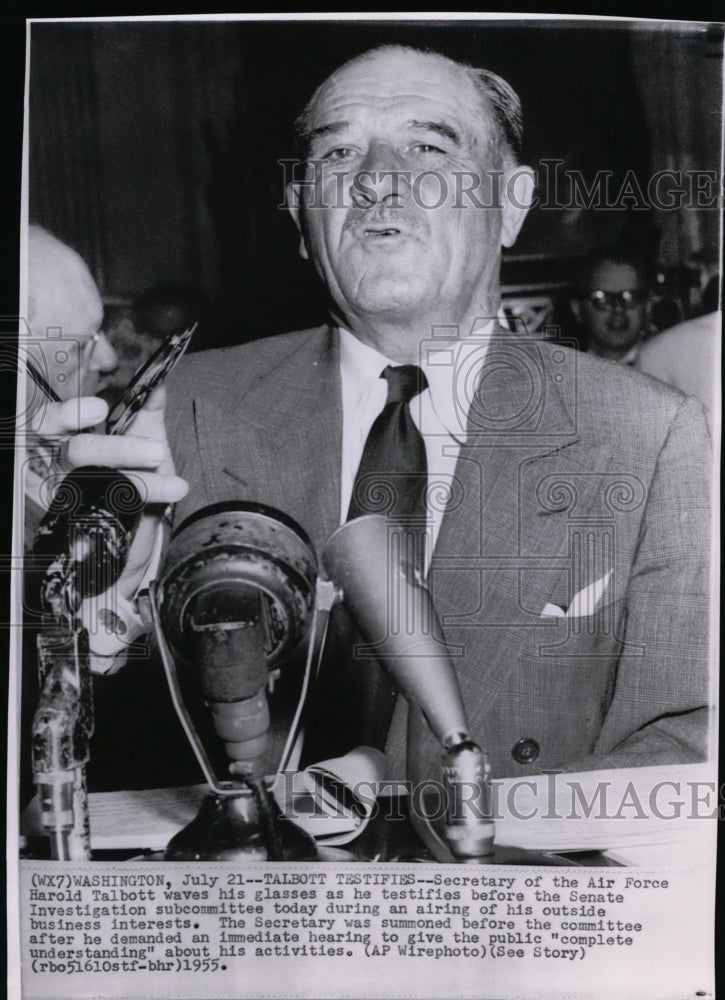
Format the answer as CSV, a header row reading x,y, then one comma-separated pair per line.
x,y
65,313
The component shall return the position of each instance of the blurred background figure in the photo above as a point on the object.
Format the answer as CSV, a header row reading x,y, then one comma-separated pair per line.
x,y
65,315
168,307
137,331
612,303
68,348
132,347
688,357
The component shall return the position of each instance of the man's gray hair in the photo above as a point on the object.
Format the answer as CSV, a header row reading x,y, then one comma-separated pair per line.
x,y
505,105
496,95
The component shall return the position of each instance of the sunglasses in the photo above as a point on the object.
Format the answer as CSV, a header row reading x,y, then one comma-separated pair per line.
x,y
630,298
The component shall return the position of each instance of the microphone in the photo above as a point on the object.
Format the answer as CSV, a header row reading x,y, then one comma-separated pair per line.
x,y
235,598
226,640
370,560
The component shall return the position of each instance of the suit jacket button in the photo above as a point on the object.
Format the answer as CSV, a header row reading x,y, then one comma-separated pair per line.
x,y
525,751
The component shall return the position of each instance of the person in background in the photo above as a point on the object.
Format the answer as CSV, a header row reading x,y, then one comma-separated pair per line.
x,y
132,347
688,357
65,317
137,331
612,303
68,348
73,354
167,307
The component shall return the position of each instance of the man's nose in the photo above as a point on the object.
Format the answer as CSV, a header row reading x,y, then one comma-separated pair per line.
x,y
103,357
382,178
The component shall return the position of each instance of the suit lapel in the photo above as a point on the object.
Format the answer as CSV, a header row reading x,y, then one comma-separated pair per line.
x,y
280,442
523,478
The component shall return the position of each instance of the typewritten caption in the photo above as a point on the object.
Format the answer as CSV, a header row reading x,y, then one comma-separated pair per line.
x,y
209,925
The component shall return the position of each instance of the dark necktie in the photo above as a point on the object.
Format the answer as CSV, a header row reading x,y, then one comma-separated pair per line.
x,y
353,700
393,473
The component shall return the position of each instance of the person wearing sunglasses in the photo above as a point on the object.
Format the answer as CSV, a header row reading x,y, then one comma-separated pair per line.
x,y
612,304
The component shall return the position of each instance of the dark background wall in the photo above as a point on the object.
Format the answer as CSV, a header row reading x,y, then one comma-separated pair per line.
x,y
154,147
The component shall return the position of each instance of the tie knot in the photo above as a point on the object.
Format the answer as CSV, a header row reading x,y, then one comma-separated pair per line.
x,y
404,382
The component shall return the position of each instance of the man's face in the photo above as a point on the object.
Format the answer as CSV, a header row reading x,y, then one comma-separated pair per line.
x,y
614,324
69,347
397,141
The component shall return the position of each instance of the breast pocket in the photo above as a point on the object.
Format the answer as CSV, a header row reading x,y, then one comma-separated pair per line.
x,y
579,636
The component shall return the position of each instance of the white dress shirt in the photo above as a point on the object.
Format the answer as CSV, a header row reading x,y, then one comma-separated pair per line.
x,y
440,412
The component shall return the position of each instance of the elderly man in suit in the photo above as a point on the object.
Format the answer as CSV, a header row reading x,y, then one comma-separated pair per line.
x,y
567,498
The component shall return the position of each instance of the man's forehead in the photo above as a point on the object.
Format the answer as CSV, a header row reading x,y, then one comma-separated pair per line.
x,y
69,300
382,78
615,276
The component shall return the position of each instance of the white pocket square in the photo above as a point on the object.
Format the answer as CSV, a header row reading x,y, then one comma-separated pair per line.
x,y
583,603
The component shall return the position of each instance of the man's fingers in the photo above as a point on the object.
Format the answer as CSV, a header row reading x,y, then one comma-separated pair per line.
x,y
158,489
149,421
52,420
139,555
156,401
143,456
121,452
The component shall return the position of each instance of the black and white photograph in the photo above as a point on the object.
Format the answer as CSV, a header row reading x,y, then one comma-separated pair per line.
x,y
365,509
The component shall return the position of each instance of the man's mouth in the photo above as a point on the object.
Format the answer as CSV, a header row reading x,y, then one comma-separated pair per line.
x,y
617,327
381,232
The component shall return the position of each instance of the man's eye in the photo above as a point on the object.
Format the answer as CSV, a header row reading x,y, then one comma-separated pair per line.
x,y
339,153
428,148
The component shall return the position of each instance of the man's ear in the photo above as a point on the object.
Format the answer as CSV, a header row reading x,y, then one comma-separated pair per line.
x,y
518,193
294,202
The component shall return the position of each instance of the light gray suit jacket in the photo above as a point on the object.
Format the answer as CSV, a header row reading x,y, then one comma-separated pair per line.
x,y
573,469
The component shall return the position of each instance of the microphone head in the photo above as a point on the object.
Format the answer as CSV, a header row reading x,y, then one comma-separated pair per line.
x,y
88,529
235,563
370,560
234,598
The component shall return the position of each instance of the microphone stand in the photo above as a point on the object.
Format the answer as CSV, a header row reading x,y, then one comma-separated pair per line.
x,y
234,598
392,608
82,543
62,730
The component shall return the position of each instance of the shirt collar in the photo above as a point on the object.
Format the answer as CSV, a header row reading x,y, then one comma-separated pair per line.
x,y
360,365
452,372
